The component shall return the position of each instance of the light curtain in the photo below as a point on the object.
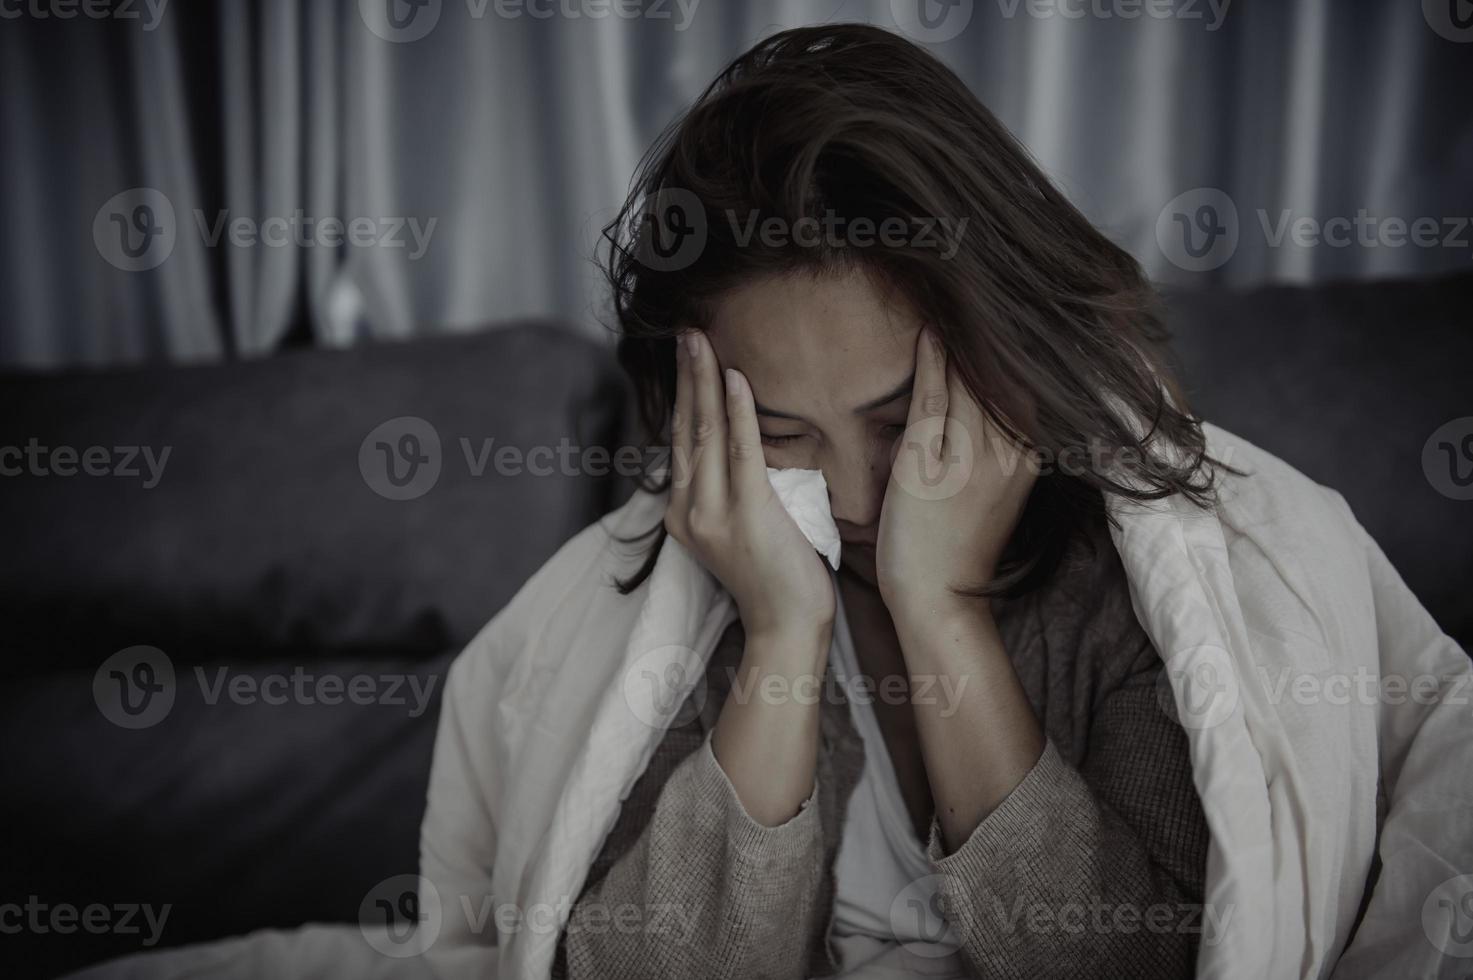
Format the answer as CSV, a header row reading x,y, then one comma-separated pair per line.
x,y
479,145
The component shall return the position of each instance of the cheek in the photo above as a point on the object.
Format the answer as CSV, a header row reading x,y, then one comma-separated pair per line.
x,y
892,444
864,463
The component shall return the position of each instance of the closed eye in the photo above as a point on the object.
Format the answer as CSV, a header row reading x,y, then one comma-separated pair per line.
x,y
768,440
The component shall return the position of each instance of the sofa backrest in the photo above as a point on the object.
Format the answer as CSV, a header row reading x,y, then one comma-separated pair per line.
x,y
1349,383
245,511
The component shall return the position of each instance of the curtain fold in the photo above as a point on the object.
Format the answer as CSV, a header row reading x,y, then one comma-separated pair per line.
x,y
480,153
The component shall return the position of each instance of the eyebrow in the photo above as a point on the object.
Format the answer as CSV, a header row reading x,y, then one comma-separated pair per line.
x,y
904,388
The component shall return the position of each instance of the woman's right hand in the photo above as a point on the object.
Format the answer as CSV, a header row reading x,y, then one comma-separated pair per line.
x,y
723,509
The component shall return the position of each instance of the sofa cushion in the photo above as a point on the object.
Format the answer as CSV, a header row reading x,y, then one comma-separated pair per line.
x,y
265,795
244,511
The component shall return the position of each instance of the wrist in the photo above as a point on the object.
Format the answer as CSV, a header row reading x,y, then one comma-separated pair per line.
x,y
938,608
787,623
803,645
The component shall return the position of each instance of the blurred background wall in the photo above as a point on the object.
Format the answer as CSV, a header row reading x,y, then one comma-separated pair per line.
x,y
216,180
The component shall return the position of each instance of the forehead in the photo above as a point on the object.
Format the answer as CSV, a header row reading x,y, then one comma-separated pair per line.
x,y
810,344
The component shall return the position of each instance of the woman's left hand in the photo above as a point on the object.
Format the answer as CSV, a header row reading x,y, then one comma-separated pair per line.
x,y
957,488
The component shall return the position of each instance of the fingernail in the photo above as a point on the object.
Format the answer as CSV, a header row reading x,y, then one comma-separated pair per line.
x,y
693,342
731,381
679,346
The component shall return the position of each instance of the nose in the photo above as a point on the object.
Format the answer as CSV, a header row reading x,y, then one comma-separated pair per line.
x,y
856,482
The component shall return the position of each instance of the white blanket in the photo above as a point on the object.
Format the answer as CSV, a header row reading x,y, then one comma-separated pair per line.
x,y
1294,654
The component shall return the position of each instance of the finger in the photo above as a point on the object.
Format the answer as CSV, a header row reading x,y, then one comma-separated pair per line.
x,y
680,431
968,428
928,396
709,489
744,438
925,422
960,404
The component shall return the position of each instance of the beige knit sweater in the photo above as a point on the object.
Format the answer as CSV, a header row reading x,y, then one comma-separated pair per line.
x,y
1092,866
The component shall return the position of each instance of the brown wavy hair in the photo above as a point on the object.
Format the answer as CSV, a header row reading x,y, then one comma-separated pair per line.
x,y
1054,329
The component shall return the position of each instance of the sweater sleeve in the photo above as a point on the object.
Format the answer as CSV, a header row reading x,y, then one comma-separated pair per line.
x,y
705,890
689,885
1090,871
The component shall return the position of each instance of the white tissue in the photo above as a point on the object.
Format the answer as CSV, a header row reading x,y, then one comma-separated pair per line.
x,y
805,496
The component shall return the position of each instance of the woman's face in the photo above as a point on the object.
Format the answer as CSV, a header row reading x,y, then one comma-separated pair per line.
x,y
830,360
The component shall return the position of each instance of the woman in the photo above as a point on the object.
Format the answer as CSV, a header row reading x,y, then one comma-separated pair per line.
x,y
886,289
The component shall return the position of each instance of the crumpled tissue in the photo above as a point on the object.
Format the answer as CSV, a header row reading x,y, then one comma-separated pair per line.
x,y
805,496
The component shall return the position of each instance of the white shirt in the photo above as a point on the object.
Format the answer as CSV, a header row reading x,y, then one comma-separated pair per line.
x,y
886,918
